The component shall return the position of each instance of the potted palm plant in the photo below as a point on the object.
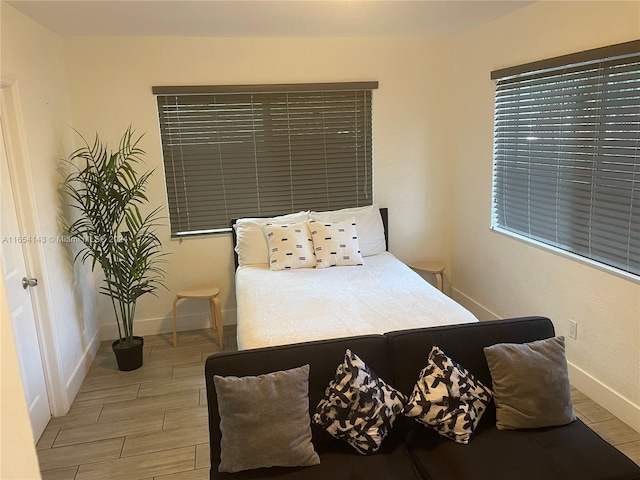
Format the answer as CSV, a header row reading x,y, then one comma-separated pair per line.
x,y
107,191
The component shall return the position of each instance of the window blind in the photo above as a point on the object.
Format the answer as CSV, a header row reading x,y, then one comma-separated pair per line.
x,y
262,151
566,156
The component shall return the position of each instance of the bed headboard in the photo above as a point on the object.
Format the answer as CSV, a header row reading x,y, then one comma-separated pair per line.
x,y
384,213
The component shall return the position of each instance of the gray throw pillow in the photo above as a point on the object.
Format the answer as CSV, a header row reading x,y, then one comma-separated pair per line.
x,y
265,421
530,384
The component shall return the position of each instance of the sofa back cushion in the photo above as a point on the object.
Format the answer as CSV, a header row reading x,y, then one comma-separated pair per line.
x,y
322,356
462,343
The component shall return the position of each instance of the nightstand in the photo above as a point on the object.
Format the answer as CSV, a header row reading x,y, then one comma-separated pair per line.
x,y
208,292
434,267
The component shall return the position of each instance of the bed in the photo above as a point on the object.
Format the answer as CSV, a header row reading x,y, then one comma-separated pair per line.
x,y
374,293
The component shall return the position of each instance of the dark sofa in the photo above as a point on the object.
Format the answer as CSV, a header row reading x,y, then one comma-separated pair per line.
x,y
412,451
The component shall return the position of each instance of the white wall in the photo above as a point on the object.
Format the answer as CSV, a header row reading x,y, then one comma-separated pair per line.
x,y
513,278
111,80
433,119
33,57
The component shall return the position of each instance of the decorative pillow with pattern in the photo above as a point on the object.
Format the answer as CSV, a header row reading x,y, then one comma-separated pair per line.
x,y
358,406
251,243
448,398
335,243
370,227
290,246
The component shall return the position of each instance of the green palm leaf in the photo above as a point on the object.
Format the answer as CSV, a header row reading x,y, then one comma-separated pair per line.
x,y
107,191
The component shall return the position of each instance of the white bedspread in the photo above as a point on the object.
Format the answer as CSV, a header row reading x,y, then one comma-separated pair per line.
x,y
277,308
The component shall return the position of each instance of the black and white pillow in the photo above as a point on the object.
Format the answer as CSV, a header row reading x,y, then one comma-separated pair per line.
x,y
335,243
290,246
358,406
448,398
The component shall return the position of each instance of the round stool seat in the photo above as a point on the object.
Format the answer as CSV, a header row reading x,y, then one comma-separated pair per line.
x,y
205,291
434,267
431,267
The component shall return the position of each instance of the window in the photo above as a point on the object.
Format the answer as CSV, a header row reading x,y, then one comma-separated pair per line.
x,y
566,154
237,151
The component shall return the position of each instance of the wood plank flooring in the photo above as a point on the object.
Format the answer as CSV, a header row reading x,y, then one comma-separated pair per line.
x,y
152,422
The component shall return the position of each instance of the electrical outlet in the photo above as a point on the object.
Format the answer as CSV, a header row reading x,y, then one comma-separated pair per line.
x,y
573,329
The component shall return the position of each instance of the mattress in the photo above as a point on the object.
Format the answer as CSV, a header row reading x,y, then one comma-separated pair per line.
x,y
383,295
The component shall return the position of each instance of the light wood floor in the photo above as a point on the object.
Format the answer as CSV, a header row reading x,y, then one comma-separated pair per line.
x,y
152,422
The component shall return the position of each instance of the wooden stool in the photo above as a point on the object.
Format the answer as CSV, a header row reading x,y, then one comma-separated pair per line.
x,y
202,291
435,268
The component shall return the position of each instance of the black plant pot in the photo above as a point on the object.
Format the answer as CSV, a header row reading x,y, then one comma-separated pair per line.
x,y
128,358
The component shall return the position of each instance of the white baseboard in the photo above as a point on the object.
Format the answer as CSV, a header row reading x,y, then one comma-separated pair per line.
x,y
79,373
155,326
604,396
597,391
474,307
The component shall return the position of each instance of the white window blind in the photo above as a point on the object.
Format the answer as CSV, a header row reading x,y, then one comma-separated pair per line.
x,y
566,154
238,151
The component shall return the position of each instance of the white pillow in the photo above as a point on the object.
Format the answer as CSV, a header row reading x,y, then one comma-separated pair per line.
x,y
251,243
368,222
335,243
290,246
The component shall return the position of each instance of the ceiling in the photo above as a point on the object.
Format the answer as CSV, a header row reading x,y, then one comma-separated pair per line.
x,y
264,18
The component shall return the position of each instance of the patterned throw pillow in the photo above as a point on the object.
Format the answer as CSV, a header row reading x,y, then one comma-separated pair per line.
x,y
358,406
290,246
448,398
335,243
251,242
369,223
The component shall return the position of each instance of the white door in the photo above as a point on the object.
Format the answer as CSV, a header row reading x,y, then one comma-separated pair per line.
x,y
19,301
